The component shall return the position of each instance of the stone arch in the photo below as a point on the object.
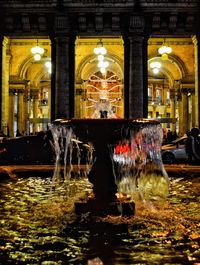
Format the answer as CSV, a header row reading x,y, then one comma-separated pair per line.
x,y
173,62
24,66
88,66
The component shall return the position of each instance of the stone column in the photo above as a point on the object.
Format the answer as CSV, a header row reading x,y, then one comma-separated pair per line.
x,y
78,100
173,108
180,112
49,102
34,96
63,77
193,109
184,112
11,113
180,117
20,113
4,84
137,99
196,41
26,114
83,101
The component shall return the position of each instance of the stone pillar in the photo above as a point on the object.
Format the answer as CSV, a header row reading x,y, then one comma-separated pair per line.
x,y
83,101
196,41
137,99
172,108
20,113
11,113
49,102
180,117
63,77
180,112
185,112
78,100
34,96
193,109
26,113
4,84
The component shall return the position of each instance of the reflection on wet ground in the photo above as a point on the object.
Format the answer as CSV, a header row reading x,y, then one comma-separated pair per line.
x,y
38,226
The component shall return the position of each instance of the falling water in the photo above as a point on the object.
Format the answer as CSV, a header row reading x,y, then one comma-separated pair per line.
x,y
135,156
137,164
69,154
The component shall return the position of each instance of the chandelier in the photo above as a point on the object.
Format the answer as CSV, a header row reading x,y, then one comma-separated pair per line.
x,y
37,51
164,50
101,51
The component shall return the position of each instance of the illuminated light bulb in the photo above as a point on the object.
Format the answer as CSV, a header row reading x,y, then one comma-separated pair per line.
x,y
164,57
168,49
103,50
102,70
96,50
100,57
37,49
155,70
37,57
105,64
48,64
155,65
100,64
162,49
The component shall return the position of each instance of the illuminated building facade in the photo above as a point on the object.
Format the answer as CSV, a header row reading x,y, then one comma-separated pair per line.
x,y
132,31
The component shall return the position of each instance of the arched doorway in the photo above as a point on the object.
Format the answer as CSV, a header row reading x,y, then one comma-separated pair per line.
x,y
97,94
171,88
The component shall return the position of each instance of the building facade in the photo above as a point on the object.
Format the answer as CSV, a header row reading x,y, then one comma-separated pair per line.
x,y
74,85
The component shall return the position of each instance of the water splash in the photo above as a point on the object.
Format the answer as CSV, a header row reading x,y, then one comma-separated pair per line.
x,y
133,162
137,164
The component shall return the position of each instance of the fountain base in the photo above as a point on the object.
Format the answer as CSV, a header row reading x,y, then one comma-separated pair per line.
x,y
103,209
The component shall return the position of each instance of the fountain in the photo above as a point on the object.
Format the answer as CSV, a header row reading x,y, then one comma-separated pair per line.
x,y
127,164
122,160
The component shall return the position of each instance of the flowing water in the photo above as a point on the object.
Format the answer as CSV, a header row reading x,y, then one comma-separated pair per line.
x,y
38,226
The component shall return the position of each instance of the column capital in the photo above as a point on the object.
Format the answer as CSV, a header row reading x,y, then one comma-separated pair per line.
x,y
136,39
34,93
186,90
16,90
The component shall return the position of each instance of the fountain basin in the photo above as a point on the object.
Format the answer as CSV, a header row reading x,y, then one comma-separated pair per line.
x,y
127,155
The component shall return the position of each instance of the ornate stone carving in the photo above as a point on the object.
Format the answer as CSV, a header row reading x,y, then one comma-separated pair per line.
x,y
82,23
156,21
115,21
9,22
42,23
25,23
173,22
136,23
62,23
189,23
99,22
